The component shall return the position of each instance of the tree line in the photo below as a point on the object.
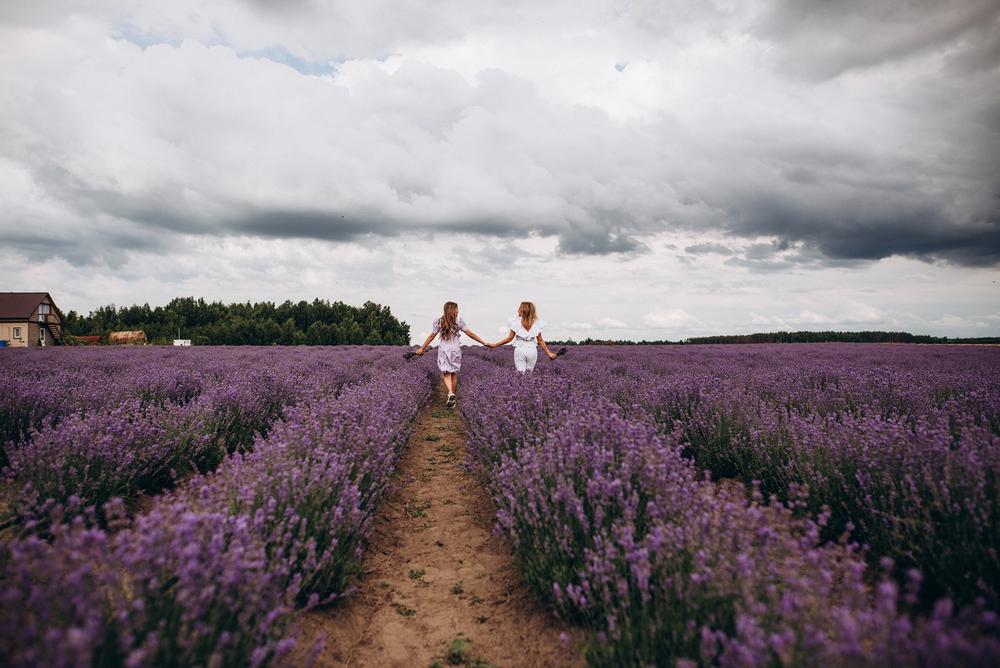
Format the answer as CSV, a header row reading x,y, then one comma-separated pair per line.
x,y
319,322
836,337
792,337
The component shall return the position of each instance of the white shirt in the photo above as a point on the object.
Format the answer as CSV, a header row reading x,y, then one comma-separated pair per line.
x,y
524,337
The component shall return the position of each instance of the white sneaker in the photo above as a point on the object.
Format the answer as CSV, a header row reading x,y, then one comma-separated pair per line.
x,y
452,400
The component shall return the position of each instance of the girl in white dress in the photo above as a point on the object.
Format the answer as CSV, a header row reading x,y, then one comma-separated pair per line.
x,y
526,333
450,327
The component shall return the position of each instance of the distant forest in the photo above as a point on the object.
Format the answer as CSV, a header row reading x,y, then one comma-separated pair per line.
x,y
318,322
798,337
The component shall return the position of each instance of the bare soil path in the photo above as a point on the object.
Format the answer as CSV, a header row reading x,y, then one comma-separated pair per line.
x,y
440,587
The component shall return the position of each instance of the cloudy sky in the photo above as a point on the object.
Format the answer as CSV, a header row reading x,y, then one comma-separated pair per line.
x,y
646,169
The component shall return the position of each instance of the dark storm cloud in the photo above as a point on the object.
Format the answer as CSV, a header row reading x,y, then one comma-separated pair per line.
x,y
324,225
162,210
865,228
823,39
604,228
85,248
338,227
335,226
40,246
488,226
496,256
717,249
848,232
599,243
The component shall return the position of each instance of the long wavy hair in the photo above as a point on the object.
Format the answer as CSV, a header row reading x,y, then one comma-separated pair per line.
x,y
449,321
527,313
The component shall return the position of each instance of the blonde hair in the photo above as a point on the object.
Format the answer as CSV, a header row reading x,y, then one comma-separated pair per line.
x,y
449,321
526,311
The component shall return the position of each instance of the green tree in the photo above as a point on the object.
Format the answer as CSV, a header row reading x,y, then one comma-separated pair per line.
x,y
318,322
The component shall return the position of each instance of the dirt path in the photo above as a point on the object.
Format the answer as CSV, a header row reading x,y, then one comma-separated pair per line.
x,y
439,586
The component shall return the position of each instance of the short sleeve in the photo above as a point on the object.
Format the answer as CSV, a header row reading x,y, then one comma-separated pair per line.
x,y
511,324
461,325
436,325
537,329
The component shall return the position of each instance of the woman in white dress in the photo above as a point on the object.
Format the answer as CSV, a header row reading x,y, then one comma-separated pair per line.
x,y
526,333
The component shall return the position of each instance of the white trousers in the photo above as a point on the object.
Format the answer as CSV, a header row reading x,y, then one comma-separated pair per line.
x,y
525,358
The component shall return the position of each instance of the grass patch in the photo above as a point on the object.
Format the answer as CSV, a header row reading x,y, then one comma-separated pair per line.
x,y
460,654
417,509
404,610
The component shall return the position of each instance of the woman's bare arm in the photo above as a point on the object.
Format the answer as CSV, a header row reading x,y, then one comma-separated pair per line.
x,y
427,343
510,337
548,352
475,337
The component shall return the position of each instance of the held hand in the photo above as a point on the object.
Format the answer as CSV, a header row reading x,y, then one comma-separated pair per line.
x,y
420,351
552,356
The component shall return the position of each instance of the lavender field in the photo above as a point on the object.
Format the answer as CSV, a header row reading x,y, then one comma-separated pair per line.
x,y
270,463
717,505
864,531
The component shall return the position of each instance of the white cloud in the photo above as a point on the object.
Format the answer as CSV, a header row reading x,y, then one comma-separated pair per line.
x,y
670,319
956,322
844,313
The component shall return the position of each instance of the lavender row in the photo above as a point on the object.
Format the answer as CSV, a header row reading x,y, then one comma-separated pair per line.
x,y
899,442
43,386
824,378
138,445
135,448
212,574
614,528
